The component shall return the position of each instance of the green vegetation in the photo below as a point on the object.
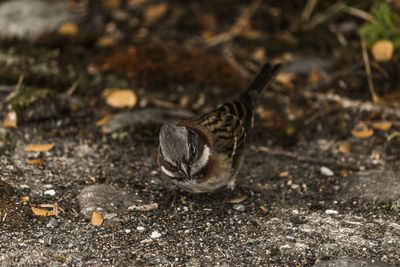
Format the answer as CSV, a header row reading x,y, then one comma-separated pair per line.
x,y
383,27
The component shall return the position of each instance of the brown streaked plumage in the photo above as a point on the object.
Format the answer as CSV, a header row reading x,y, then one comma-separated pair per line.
x,y
206,152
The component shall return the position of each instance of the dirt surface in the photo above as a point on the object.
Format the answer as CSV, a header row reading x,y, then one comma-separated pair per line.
x,y
317,186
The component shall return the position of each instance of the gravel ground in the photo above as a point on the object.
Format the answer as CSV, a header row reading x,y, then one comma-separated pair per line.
x,y
293,214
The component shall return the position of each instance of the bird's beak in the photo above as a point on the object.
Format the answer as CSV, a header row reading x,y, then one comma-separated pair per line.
x,y
185,169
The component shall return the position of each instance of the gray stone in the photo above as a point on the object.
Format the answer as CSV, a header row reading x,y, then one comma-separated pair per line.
x,y
378,186
106,199
350,262
28,19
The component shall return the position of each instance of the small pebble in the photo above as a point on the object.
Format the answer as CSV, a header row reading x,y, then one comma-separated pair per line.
x,y
155,234
50,192
127,231
326,171
331,212
239,207
52,223
140,228
295,211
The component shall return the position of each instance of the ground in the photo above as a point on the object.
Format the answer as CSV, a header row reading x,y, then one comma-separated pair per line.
x,y
321,179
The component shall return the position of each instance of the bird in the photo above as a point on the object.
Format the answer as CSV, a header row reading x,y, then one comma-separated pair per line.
x,y
206,152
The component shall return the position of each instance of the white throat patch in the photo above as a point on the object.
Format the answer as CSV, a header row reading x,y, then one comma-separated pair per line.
x,y
203,160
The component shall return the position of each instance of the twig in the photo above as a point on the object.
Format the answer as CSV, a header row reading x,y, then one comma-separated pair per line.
x,y
368,69
241,25
348,103
324,16
308,9
333,10
294,156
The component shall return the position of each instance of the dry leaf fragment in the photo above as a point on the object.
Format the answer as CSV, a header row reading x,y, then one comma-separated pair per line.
x,y
344,148
383,125
264,209
1,143
37,161
111,4
286,79
363,133
106,41
120,98
42,212
68,29
238,199
284,174
104,120
144,207
155,12
10,121
97,219
39,147
382,50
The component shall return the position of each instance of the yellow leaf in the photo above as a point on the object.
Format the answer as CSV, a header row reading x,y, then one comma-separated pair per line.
x,y
264,209
383,125
37,161
155,12
106,41
344,148
363,133
104,120
24,199
284,174
68,29
238,199
286,79
97,219
1,143
111,4
10,121
120,98
382,50
42,212
39,147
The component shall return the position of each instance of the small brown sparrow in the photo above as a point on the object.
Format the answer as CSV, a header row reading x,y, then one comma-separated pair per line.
x,y
204,153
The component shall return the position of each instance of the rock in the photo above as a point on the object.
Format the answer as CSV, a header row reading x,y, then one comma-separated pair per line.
x,y
239,207
28,19
326,171
350,262
378,186
104,198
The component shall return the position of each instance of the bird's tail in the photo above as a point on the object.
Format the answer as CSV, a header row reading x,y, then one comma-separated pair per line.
x,y
263,79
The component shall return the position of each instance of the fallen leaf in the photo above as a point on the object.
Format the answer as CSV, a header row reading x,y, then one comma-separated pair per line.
x,y
10,121
286,79
111,4
42,212
238,199
97,219
383,125
106,41
314,77
264,209
344,172
120,98
382,50
1,143
37,161
344,148
363,133
104,119
24,199
68,29
144,207
155,12
259,54
284,174
39,147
